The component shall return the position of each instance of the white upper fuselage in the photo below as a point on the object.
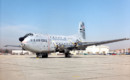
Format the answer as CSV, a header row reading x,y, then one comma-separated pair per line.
x,y
46,43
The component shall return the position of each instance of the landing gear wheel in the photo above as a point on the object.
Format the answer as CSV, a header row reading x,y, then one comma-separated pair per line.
x,y
37,55
45,55
67,54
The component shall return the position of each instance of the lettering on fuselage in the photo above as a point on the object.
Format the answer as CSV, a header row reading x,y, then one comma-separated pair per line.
x,y
59,38
38,40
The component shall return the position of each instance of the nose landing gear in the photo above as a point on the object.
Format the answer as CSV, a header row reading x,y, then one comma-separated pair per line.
x,y
43,55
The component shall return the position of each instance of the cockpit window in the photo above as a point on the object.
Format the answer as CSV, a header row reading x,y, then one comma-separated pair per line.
x,y
22,38
29,34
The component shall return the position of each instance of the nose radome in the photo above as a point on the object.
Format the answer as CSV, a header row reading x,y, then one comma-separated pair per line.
x,y
21,39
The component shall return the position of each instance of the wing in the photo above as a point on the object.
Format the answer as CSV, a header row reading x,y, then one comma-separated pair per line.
x,y
83,45
12,46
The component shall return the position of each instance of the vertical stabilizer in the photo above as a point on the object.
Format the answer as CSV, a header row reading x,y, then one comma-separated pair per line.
x,y
82,31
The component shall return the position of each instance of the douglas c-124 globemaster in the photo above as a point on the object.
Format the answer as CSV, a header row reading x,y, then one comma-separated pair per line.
x,y
43,44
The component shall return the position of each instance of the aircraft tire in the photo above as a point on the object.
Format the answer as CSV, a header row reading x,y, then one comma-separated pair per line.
x,y
67,54
45,55
37,55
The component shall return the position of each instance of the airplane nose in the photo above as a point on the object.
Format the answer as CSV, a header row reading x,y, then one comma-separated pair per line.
x,y
22,44
21,39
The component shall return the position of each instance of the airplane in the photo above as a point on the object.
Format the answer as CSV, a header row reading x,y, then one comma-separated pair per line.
x,y
43,44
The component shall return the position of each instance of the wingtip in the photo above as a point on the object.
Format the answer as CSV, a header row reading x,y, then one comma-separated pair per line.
x,y
127,38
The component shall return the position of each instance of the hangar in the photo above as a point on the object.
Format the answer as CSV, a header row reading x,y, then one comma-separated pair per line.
x,y
99,50
21,52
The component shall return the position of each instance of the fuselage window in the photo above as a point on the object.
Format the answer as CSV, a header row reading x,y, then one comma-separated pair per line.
x,y
34,40
37,40
43,40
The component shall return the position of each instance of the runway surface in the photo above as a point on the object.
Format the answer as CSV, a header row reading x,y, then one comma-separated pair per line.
x,y
87,67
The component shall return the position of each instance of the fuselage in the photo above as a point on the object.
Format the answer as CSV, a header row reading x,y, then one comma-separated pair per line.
x,y
44,43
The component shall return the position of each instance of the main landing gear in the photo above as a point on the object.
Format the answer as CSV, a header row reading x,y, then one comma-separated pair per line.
x,y
67,53
43,55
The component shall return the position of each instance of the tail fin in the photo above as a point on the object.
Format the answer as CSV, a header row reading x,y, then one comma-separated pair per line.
x,y
82,31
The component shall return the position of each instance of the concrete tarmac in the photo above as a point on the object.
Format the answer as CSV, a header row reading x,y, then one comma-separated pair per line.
x,y
87,67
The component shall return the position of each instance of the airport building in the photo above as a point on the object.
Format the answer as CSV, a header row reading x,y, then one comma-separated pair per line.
x,y
96,50
21,52
121,51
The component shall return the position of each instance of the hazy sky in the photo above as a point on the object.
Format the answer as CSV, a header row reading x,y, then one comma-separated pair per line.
x,y
104,19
